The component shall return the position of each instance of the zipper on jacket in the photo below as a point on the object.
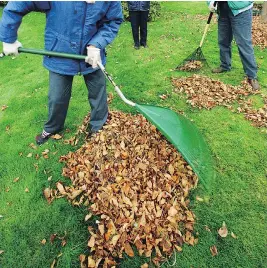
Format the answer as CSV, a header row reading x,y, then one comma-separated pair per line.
x,y
81,40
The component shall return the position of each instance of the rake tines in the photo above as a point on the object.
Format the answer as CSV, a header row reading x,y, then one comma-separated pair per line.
x,y
193,62
196,60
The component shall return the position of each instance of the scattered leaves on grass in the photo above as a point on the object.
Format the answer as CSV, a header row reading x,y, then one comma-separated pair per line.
x,y
56,137
199,199
192,65
29,155
128,249
16,179
1,252
223,232
258,117
48,194
204,92
137,184
36,167
45,154
110,97
26,190
33,146
213,250
53,263
207,228
4,107
43,242
259,32
233,235
163,96
52,238
88,216
145,265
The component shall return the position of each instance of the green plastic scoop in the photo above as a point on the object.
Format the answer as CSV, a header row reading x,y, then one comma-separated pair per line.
x,y
176,128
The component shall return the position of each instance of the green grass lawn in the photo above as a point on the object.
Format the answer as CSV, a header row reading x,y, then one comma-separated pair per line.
x,y
238,194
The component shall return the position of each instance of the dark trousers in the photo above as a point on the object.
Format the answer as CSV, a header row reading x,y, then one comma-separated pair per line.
x,y
139,21
239,27
59,96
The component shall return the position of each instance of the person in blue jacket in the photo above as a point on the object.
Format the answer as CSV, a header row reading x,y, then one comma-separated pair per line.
x,y
138,11
235,20
84,27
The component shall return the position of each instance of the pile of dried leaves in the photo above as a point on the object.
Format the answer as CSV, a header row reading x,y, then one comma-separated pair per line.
x,y
257,116
193,65
259,32
138,185
204,92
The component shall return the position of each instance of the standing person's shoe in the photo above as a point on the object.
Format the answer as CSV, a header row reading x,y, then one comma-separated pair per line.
x,y
254,83
90,133
43,137
145,46
137,45
219,70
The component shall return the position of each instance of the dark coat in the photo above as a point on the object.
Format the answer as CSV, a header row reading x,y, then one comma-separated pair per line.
x,y
138,5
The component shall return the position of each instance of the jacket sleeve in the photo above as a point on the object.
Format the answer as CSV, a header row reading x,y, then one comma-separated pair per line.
x,y
109,26
12,17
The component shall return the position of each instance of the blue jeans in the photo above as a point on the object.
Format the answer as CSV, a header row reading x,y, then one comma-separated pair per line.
x,y
59,96
239,27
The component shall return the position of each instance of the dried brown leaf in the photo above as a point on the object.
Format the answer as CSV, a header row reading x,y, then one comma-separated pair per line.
x,y
4,107
53,263
213,250
91,242
223,232
233,235
128,249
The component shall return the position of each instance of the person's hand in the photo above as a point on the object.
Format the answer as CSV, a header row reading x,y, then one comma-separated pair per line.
x,y
11,49
212,8
93,56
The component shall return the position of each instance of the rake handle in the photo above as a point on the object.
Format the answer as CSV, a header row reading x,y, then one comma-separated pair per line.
x,y
77,57
51,53
207,26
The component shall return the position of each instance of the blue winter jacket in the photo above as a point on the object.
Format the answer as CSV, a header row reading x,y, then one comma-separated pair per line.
x,y
138,5
70,27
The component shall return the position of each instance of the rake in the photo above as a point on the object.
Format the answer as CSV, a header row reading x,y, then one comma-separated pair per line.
x,y
197,59
176,128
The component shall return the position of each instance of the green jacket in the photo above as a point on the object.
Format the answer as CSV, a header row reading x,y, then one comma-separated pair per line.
x,y
238,7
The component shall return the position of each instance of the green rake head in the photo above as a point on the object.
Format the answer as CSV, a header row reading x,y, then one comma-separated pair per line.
x,y
194,62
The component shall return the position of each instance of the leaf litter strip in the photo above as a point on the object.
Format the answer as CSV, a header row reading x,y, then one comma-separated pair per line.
x,y
204,92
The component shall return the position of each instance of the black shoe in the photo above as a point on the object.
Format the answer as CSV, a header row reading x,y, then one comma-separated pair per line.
x,y
43,137
137,47
90,132
145,46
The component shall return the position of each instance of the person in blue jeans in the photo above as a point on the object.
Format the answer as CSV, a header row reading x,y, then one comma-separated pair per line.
x,y
235,20
82,27
138,11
